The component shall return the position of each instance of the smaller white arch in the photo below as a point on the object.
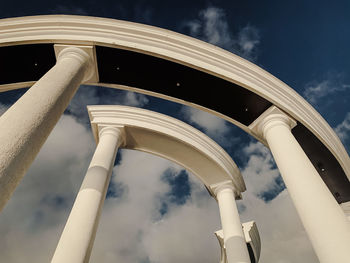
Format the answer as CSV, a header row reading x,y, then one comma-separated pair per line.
x,y
172,139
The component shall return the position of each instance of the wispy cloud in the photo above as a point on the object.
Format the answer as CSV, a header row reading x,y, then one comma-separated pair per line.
x,y
125,220
283,237
212,26
315,91
260,173
248,41
69,9
215,127
343,129
138,232
331,97
3,108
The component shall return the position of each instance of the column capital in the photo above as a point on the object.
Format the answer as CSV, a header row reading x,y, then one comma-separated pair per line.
x,y
218,187
84,54
272,117
118,131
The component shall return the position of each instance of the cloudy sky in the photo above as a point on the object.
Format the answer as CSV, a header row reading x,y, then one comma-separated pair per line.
x,y
155,212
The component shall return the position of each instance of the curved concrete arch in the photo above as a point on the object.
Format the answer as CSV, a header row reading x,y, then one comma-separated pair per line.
x,y
169,138
139,129
195,56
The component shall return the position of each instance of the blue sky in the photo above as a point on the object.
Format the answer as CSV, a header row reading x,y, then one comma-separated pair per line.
x,y
156,211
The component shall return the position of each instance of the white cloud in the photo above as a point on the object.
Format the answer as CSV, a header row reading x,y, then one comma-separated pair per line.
x,y
333,94
62,9
215,127
124,221
135,99
3,108
186,233
212,26
343,129
315,91
215,27
260,173
282,235
248,40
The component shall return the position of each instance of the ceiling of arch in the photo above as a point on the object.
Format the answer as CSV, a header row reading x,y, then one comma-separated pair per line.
x,y
157,75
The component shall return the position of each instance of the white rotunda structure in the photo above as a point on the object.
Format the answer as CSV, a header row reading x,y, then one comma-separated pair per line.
x,y
138,129
56,54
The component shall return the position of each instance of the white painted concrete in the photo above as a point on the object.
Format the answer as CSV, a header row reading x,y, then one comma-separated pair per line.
x,y
27,124
322,217
172,139
346,209
234,239
79,233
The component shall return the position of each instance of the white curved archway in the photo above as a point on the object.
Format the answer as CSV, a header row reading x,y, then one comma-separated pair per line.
x,y
143,130
169,138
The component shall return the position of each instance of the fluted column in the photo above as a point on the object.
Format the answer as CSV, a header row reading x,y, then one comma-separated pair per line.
x,y
26,124
234,240
322,217
78,236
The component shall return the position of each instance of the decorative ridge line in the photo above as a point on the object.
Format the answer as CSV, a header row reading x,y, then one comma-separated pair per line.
x,y
142,118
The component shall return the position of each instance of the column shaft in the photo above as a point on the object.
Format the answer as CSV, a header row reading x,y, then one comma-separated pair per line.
x,y
322,217
77,238
26,125
236,248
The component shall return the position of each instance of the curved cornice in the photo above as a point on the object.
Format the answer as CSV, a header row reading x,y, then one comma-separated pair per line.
x,y
63,29
170,138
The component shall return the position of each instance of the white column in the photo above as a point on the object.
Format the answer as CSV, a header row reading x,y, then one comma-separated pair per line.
x,y
26,125
79,233
234,240
322,217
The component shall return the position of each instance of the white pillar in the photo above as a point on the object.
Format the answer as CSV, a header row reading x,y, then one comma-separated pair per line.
x,y
322,217
234,240
79,233
26,125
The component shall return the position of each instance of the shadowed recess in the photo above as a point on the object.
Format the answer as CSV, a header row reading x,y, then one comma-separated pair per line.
x,y
158,75
23,63
133,69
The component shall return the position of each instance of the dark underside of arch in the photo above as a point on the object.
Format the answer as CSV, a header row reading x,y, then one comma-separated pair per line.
x,y
23,63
